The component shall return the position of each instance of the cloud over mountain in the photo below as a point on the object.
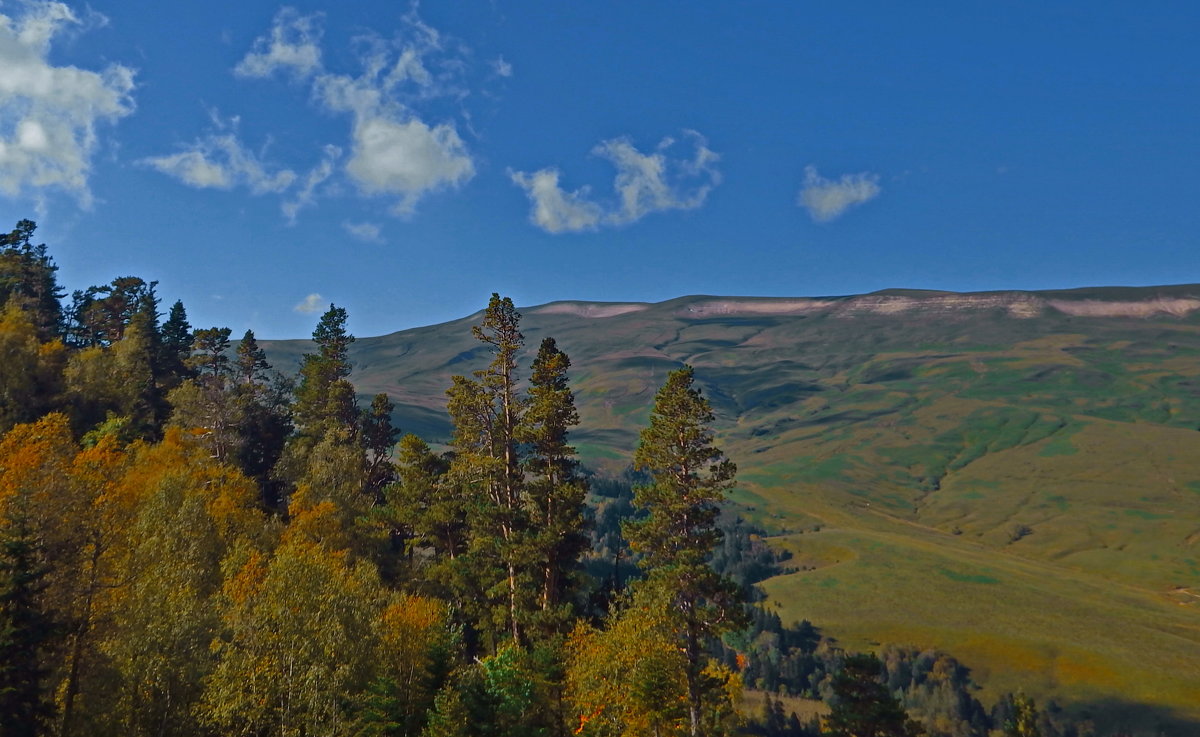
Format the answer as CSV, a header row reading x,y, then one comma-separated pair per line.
x,y
827,199
644,184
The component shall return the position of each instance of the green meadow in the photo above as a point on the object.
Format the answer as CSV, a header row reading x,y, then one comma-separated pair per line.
x,y
1022,492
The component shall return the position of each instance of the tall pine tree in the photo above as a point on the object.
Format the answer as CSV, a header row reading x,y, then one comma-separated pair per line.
x,y
689,478
555,489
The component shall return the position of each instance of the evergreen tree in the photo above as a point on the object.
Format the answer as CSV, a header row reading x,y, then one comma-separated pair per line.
x,y
265,398
486,412
325,399
555,489
28,278
24,630
862,706
689,477
175,346
379,437
251,364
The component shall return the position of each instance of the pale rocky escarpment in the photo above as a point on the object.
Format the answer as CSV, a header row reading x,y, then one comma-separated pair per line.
x,y
1015,304
590,309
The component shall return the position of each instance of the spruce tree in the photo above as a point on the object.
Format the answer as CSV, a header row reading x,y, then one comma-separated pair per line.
x,y
175,346
689,477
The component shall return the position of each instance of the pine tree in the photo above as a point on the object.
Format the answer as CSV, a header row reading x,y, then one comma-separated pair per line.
x,y
251,364
28,279
486,412
555,489
325,399
379,437
689,477
862,706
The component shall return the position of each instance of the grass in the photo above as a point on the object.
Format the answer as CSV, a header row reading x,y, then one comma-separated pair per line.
x,y
917,446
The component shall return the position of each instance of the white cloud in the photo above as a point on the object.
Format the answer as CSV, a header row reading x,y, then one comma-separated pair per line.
x,y
827,200
555,210
293,44
49,114
369,232
649,183
645,183
407,158
310,304
501,67
316,176
220,161
394,150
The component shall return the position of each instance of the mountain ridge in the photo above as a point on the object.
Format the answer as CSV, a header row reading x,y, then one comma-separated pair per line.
x,y
1025,459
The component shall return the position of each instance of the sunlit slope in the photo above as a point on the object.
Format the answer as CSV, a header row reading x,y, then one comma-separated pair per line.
x,y
1012,476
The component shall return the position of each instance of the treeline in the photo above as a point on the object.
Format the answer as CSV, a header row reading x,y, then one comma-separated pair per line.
x,y
192,544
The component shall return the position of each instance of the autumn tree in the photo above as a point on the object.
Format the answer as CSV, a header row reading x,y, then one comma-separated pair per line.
x,y
29,370
298,646
689,477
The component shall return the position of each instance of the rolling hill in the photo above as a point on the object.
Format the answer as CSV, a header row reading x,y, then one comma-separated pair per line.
x,y
1011,476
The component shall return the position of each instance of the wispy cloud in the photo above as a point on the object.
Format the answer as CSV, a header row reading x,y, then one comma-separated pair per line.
x,y
306,196
394,151
501,67
644,184
49,114
369,232
310,304
827,199
219,160
293,45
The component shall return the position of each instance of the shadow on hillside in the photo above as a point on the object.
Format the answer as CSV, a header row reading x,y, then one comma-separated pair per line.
x,y
1111,716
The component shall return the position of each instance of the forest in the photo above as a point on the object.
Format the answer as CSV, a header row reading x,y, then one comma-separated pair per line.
x,y
192,543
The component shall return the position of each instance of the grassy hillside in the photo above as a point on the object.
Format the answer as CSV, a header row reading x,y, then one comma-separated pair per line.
x,y
1014,477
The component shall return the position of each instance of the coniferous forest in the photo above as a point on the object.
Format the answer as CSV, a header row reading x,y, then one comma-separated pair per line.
x,y
192,543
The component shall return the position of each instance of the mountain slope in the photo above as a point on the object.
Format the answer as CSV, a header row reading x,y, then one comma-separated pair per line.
x,y
1014,476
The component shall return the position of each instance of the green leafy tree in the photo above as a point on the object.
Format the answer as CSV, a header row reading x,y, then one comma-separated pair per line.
x,y
862,706
689,477
265,398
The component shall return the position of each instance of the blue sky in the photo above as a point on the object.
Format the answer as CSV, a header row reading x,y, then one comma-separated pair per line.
x,y
261,161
